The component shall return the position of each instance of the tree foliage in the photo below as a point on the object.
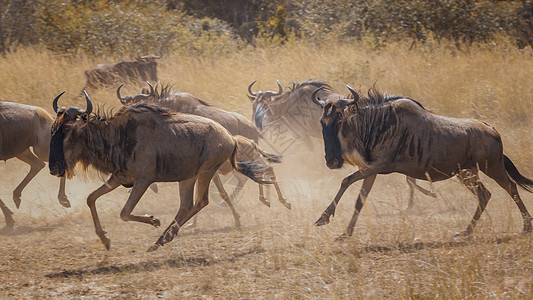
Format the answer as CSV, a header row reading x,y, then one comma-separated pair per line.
x,y
127,27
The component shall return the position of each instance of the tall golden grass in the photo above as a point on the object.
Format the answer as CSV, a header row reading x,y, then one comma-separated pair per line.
x,y
280,254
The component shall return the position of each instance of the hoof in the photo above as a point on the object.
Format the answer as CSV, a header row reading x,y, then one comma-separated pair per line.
x,y
461,233
264,201
322,221
17,201
286,204
64,202
154,221
106,242
153,248
342,237
432,194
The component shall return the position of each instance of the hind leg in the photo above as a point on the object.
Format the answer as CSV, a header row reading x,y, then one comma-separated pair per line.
x,y
224,195
471,180
509,186
412,186
35,166
7,215
281,197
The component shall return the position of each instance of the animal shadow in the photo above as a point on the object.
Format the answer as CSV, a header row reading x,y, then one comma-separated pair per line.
x,y
23,230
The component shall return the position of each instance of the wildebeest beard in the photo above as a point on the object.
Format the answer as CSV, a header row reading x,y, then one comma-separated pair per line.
x,y
56,158
332,146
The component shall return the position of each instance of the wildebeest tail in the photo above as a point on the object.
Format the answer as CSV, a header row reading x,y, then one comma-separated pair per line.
x,y
521,180
253,169
273,158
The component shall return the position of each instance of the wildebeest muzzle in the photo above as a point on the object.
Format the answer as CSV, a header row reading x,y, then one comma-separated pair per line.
x,y
332,146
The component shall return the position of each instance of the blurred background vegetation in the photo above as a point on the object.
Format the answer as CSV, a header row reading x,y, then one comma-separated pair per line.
x,y
132,27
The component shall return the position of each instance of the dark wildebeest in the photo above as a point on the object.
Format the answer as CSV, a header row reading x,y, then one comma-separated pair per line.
x,y
295,109
141,144
21,127
385,134
234,122
105,75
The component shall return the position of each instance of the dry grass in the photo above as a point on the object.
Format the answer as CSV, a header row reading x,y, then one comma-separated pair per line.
x,y
54,252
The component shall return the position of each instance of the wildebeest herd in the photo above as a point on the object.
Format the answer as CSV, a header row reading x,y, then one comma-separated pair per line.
x,y
160,135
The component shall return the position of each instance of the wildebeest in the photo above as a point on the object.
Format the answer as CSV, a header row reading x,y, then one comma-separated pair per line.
x,y
21,127
295,107
141,144
234,122
385,134
105,75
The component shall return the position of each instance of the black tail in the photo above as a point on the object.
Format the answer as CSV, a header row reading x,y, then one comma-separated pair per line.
x,y
524,182
252,170
273,158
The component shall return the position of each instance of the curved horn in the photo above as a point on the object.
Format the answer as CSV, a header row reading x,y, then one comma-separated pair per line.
x,y
280,89
152,92
250,89
355,95
89,109
54,103
313,97
123,100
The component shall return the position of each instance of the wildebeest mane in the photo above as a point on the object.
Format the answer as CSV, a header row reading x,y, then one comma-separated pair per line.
x,y
315,83
375,97
166,91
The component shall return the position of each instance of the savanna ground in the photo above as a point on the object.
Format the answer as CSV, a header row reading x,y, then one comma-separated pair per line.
x,y
394,253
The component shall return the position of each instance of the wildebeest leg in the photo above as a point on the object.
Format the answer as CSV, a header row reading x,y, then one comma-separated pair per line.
x,y
361,198
7,215
281,197
262,197
35,166
202,199
346,182
186,204
224,195
471,180
501,177
111,184
139,187
241,180
61,196
412,185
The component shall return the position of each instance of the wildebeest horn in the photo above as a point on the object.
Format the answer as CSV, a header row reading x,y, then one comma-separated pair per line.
x,y
355,95
54,103
152,92
280,89
89,109
250,89
318,101
123,100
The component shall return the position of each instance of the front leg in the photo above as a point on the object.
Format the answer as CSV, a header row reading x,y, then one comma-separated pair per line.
x,y
365,189
330,211
139,187
107,187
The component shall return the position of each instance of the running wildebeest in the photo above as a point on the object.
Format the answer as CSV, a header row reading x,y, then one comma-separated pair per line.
x,y
21,127
385,134
142,69
181,147
234,122
295,107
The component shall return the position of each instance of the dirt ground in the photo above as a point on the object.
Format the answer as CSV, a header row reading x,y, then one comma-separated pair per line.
x,y
394,253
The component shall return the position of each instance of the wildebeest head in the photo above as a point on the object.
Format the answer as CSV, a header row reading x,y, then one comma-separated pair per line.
x,y
65,119
144,95
333,116
262,101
